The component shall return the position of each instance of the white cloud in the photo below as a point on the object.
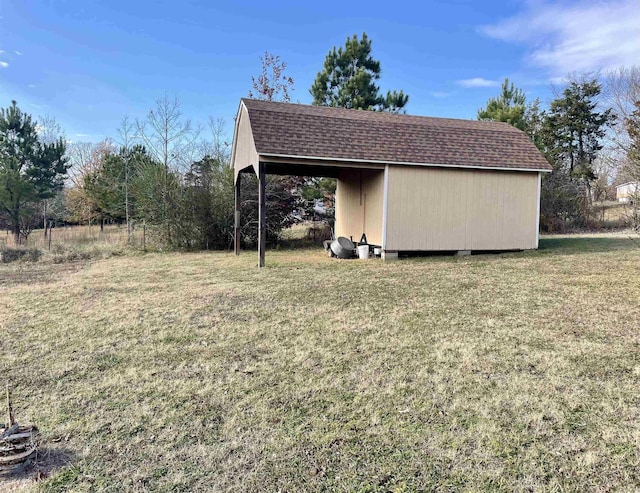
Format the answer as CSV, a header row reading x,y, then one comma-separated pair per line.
x,y
82,135
32,86
478,82
4,64
18,53
1,52
579,37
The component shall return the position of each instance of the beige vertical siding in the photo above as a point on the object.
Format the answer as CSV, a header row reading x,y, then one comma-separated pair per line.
x,y
626,191
245,148
359,197
432,209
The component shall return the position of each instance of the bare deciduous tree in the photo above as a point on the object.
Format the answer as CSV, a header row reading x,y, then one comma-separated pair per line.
x,y
272,84
85,158
621,89
126,138
49,132
622,93
215,144
167,135
172,141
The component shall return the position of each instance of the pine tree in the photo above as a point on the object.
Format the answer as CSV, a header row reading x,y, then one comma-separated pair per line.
x,y
348,80
570,136
575,128
632,124
105,187
509,107
30,170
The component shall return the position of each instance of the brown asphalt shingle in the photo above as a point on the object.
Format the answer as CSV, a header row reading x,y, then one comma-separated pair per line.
x,y
322,132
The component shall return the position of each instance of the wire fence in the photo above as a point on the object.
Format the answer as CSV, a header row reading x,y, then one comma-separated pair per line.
x,y
114,236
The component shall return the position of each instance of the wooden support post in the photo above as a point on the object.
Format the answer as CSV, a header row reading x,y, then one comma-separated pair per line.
x,y
262,214
236,228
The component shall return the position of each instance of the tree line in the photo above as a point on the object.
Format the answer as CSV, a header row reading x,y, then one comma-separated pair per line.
x,y
173,176
161,171
588,133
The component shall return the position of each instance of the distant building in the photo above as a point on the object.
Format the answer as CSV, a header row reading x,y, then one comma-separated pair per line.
x,y
626,191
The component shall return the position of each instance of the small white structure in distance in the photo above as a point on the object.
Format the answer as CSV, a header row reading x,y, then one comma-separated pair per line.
x,y
626,191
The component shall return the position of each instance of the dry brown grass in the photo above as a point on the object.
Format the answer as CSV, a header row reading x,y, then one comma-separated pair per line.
x,y
73,243
612,215
199,372
113,236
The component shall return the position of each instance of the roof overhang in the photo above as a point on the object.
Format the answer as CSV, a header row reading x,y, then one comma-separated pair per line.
x,y
363,163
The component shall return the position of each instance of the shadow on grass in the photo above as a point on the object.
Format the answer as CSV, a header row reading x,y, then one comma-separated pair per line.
x,y
573,245
46,462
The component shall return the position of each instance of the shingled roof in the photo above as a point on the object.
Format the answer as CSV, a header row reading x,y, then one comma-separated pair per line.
x,y
302,131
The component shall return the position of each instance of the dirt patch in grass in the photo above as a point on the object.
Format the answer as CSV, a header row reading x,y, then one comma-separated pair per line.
x,y
199,372
40,273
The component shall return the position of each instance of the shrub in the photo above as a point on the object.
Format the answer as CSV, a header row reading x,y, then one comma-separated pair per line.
x,y
63,254
561,203
71,256
26,254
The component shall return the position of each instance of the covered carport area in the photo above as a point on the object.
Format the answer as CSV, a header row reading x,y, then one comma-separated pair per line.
x,y
359,195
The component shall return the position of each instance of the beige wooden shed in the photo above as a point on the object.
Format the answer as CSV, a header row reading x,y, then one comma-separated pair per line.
x,y
410,183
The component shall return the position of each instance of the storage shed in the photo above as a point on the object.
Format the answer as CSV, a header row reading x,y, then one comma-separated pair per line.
x,y
410,183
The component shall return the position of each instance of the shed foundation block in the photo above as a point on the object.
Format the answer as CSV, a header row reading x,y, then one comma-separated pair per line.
x,y
463,253
389,254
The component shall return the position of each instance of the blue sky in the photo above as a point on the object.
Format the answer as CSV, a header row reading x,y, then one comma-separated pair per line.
x,y
88,63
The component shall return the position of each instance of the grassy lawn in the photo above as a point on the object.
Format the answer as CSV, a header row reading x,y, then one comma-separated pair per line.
x,y
199,372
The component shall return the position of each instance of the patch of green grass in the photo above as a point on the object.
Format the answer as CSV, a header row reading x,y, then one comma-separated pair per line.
x,y
200,372
597,243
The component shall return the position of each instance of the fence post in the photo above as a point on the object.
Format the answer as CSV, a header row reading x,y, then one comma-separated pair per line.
x,y
50,234
144,235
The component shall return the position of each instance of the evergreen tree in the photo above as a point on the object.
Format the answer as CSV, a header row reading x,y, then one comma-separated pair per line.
x,y
105,188
30,170
632,124
574,129
348,80
533,122
154,190
570,136
632,169
209,196
509,107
